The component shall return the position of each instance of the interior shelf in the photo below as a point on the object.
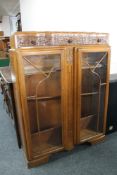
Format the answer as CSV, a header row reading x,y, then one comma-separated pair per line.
x,y
87,133
30,71
92,67
103,84
91,93
87,116
43,98
47,140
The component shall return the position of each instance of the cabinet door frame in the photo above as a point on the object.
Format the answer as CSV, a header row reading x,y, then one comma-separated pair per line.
x,y
77,86
64,94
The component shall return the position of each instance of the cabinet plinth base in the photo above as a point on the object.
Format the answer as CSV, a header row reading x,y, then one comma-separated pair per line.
x,y
69,147
39,161
97,140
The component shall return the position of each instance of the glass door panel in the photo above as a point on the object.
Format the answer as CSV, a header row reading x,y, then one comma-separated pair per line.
x,y
93,85
43,90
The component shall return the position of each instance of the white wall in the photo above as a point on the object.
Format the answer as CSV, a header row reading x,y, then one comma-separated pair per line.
x,y
0,27
8,25
13,26
72,15
5,25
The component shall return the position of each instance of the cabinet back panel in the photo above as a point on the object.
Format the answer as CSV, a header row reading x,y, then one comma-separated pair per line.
x,y
49,87
89,105
47,116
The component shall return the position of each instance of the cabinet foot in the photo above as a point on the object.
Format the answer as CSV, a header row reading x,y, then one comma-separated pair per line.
x,y
69,147
97,140
38,161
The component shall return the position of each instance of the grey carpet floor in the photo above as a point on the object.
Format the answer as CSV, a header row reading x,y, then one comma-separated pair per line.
x,y
100,159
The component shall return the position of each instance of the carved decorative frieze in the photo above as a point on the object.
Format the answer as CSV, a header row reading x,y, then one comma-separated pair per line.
x,y
59,39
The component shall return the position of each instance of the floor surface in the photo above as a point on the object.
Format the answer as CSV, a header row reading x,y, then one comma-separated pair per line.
x,y
100,159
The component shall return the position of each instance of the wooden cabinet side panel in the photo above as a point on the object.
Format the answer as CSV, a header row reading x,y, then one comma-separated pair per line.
x,y
107,91
17,93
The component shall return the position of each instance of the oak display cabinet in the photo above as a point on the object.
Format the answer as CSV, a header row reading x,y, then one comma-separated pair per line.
x,y
91,67
43,80
61,90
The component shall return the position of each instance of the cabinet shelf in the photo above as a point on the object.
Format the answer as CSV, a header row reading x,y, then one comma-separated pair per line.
x,y
31,71
87,134
47,140
90,93
43,98
103,84
93,93
92,67
87,116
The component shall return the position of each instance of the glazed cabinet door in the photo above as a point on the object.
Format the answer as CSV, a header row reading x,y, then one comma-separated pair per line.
x,y
43,78
92,92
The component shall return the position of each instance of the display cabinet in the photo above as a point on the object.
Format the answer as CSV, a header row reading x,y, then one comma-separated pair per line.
x,y
61,90
44,83
91,93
